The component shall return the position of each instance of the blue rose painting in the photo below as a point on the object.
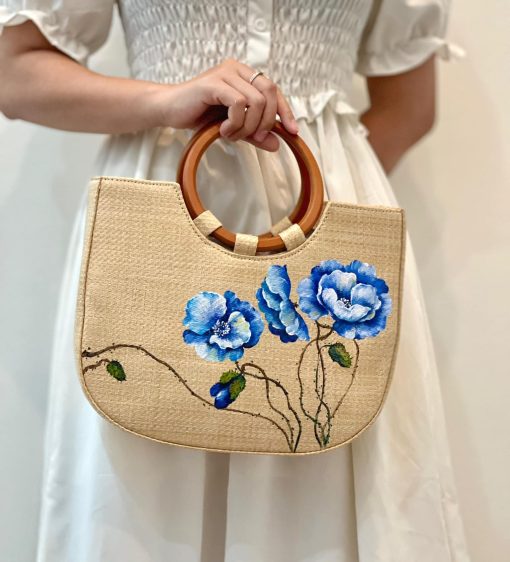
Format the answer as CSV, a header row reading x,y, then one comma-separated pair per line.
x,y
274,301
352,295
221,326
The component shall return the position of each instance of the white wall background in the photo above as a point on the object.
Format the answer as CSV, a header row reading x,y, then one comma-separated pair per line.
x,y
455,188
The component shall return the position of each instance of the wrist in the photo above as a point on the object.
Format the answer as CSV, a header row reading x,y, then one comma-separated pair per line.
x,y
154,105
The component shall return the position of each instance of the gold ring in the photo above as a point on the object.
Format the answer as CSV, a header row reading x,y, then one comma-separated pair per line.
x,y
255,74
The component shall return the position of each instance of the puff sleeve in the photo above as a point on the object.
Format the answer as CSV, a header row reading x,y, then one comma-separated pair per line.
x,y
401,34
76,27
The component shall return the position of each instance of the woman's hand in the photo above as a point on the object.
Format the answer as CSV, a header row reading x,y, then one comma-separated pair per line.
x,y
224,91
42,85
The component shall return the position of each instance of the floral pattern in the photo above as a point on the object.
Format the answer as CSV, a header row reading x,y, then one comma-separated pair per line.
x,y
221,326
274,301
352,295
341,301
230,385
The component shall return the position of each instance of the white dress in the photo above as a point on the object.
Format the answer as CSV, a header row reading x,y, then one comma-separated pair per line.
x,y
387,497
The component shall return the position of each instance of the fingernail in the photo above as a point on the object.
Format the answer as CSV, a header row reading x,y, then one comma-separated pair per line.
x,y
295,125
260,135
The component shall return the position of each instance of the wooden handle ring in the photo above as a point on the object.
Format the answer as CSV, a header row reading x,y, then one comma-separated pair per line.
x,y
311,199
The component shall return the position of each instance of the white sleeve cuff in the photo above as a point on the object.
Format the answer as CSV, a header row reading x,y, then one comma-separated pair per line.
x,y
75,32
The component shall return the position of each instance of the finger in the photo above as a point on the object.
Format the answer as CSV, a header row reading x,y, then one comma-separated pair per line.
x,y
223,94
268,89
211,114
255,106
286,114
283,107
219,113
224,99
270,143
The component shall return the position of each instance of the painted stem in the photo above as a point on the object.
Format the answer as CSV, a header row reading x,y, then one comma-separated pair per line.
x,y
301,386
95,365
320,360
353,375
300,380
317,424
183,381
278,384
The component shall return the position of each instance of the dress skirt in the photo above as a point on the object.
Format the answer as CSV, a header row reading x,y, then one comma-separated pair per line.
x,y
389,496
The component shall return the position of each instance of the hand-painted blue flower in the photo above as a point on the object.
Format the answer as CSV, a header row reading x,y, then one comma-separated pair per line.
x,y
274,301
221,394
227,389
352,295
221,326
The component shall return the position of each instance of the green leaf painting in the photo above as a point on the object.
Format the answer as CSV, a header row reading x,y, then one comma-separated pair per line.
x,y
228,376
340,355
237,387
116,370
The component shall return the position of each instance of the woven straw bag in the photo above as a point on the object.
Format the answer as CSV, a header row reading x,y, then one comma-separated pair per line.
x,y
191,335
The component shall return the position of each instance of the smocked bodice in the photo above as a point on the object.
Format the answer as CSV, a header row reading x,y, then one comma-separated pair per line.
x,y
304,47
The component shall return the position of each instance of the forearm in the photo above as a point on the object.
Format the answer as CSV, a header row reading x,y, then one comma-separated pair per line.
x,y
402,111
390,135
50,89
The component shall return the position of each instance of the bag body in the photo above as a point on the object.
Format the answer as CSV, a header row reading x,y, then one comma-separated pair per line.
x,y
183,341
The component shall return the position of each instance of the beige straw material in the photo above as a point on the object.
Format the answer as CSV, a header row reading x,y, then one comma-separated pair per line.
x,y
282,224
246,244
144,259
207,222
293,236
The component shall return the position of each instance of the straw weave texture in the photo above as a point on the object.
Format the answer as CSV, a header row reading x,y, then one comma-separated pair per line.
x,y
144,259
206,222
293,236
282,224
246,244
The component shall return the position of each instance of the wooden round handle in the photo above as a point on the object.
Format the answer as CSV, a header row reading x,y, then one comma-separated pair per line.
x,y
304,194
312,191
